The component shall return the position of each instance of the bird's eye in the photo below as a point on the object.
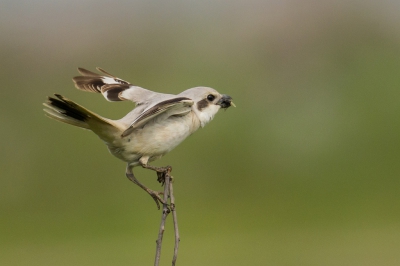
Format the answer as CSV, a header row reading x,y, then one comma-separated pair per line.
x,y
210,97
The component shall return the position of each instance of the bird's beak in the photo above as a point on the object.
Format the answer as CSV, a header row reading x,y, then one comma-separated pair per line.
x,y
226,101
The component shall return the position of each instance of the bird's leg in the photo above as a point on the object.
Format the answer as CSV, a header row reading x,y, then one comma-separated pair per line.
x,y
154,194
161,171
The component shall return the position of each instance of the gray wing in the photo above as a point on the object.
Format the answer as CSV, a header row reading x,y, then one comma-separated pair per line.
x,y
112,87
175,106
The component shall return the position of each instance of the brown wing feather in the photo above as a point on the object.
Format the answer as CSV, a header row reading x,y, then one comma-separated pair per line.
x,y
105,72
109,85
156,110
88,83
112,91
86,72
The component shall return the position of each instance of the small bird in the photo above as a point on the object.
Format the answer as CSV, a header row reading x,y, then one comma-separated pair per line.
x,y
157,124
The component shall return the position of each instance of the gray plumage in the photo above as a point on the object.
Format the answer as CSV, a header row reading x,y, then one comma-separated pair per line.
x,y
157,124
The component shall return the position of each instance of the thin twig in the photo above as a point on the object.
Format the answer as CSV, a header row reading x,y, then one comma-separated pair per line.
x,y
175,220
163,218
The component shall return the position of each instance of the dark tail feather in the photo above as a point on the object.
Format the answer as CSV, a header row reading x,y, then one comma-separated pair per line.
x,y
64,110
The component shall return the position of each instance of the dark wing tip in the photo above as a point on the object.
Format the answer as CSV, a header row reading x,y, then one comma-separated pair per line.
x,y
86,72
105,72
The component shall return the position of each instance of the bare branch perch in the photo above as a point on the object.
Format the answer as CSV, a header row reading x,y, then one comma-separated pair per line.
x,y
168,193
164,215
175,220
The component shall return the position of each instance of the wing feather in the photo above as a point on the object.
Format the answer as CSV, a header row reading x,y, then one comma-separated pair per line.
x,y
111,87
86,72
181,105
105,84
106,73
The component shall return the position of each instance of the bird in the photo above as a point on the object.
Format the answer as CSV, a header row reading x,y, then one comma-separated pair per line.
x,y
158,123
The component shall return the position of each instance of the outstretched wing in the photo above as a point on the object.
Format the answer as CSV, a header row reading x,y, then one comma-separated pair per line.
x,y
112,87
178,106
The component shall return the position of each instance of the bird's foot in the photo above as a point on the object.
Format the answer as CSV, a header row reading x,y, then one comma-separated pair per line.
x,y
154,194
164,169
161,177
161,172
156,197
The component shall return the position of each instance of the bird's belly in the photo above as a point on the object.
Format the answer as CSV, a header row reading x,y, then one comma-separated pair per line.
x,y
153,140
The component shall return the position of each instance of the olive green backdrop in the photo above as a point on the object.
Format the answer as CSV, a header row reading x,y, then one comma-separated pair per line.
x,y
305,171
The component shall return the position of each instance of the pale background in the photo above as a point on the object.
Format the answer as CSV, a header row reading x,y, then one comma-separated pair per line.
x,y
305,171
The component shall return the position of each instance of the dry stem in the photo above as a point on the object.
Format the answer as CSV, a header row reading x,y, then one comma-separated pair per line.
x,y
164,215
175,220
168,193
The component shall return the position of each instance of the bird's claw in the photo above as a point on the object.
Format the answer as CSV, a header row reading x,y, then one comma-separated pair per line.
x,y
161,178
161,171
156,197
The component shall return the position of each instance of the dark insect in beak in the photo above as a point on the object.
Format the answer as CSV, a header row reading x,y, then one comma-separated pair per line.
x,y
226,101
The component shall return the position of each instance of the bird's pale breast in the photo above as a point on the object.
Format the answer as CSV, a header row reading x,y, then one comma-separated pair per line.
x,y
155,139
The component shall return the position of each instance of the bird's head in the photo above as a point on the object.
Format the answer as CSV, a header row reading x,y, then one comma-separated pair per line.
x,y
207,102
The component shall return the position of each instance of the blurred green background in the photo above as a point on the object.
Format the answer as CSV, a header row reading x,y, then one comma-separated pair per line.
x,y
305,171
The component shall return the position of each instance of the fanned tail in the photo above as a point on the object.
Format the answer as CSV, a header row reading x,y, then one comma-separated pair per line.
x,y
65,110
